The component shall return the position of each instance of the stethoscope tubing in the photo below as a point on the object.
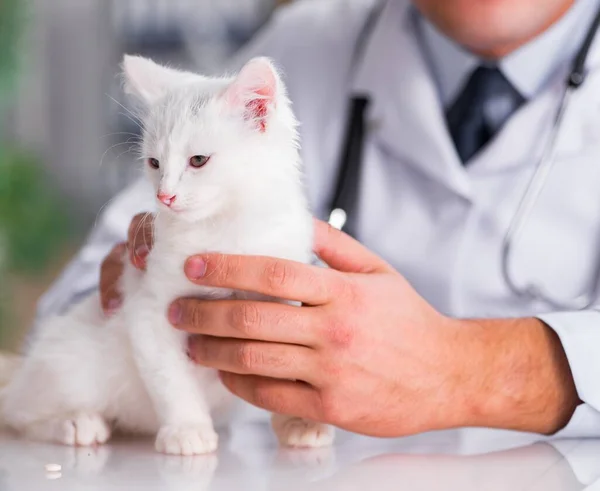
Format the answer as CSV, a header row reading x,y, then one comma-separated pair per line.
x,y
344,203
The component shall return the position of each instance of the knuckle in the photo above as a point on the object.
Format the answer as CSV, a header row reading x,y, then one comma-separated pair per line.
x,y
339,332
245,318
350,293
201,349
225,269
345,289
247,357
321,285
195,313
278,274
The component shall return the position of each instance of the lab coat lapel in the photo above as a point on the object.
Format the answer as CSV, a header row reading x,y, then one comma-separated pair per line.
x,y
525,136
406,117
522,140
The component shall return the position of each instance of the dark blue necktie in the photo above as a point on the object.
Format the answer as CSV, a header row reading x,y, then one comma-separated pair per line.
x,y
480,110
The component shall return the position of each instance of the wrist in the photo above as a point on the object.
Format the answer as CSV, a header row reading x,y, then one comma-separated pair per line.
x,y
516,376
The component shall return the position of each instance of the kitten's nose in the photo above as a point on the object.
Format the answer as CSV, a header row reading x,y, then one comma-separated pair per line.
x,y
166,198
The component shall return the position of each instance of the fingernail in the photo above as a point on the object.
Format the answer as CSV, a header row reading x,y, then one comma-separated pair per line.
x,y
142,252
114,304
195,268
175,313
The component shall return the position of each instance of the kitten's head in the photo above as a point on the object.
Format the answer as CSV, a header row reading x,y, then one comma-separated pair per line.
x,y
209,143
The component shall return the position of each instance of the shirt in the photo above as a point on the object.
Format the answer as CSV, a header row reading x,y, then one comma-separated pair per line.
x,y
528,69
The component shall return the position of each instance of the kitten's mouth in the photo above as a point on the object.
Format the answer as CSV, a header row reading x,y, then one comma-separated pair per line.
x,y
173,207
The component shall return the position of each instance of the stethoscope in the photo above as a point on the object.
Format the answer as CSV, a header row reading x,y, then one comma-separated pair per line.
x,y
345,197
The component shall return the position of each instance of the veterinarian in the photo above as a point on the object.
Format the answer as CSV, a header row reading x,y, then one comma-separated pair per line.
x,y
470,299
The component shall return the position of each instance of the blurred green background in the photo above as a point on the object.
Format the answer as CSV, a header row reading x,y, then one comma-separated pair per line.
x,y
34,225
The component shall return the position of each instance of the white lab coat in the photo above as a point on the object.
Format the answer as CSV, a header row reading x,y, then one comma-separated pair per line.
x,y
438,222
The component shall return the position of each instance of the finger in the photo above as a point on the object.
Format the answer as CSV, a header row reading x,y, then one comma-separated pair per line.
x,y
140,239
283,361
262,321
110,273
277,396
342,252
273,277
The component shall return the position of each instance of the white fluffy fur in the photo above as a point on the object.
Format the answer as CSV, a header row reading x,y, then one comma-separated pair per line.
x,y
86,373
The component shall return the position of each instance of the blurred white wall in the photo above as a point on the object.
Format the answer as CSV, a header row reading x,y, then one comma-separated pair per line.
x,y
66,69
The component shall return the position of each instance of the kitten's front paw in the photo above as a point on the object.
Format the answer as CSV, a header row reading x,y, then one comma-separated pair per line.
x,y
83,430
298,432
187,440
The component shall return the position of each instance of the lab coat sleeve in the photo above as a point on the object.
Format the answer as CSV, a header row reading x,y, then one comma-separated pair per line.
x,y
579,333
80,277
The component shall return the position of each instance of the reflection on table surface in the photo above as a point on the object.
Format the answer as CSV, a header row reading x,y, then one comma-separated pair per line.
x,y
249,459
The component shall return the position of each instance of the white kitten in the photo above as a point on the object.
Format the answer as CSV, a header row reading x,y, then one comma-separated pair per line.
x,y
223,157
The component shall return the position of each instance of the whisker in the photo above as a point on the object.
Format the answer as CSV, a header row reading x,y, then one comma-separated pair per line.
x,y
124,153
135,119
102,208
137,123
114,146
140,225
148,246
134,135
127,110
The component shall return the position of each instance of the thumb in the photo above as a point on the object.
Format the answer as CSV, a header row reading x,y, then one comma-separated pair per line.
x,y
342,252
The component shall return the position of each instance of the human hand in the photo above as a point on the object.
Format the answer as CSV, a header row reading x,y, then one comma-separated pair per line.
x,y
138,245
365,352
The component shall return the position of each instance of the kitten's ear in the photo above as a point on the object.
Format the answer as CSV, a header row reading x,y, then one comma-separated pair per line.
x,y
256,89
148,80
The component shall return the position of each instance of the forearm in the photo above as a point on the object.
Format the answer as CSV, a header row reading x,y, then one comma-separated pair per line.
x,y
520,377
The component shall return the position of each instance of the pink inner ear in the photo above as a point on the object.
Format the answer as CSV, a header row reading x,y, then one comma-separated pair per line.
x,y
255,88
257,111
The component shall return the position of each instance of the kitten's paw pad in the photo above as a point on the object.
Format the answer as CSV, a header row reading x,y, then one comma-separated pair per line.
x,y
84,430
187,440
302,433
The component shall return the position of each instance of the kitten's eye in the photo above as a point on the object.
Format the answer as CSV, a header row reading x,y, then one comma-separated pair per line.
x,y
198,161
154,163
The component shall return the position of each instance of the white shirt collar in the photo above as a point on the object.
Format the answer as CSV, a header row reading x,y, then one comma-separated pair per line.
x,y
528,68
